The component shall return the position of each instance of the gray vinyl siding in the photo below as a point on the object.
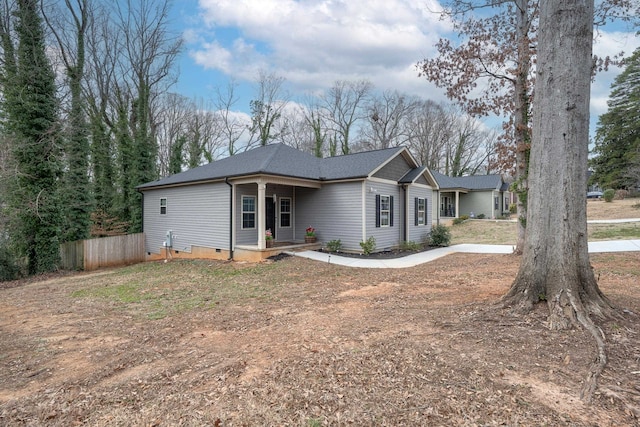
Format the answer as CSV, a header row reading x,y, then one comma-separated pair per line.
x,y
478,202
422,180
198,215
283,234
419,233
250,236
333,210
386,237
394,170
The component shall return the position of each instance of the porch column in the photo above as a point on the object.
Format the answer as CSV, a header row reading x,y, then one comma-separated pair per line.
x,y
457,204
262,188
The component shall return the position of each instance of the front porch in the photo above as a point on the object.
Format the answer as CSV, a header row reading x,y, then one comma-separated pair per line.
x,y
253,253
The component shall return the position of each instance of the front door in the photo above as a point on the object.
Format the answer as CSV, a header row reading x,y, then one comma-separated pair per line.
x,y
270,214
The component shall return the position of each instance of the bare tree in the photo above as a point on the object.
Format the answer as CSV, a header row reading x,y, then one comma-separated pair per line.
x,y
555,263
148,52
429,130
468,148
497,51
344,102
387,114
315,118
172,125
233,128
295,130
267,107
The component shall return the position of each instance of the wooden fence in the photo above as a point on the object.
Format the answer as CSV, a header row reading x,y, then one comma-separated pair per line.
x,y
104,252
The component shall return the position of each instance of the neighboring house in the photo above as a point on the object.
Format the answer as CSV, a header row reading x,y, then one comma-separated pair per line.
x,y
223,210
474,195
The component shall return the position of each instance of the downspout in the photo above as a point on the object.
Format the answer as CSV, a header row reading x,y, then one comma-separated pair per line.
x,y
226,181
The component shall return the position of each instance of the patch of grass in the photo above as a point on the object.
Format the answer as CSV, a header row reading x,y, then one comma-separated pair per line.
x,y
158,290
614,231
125,293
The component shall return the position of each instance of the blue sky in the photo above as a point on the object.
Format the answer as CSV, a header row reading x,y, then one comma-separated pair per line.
x,y
312,43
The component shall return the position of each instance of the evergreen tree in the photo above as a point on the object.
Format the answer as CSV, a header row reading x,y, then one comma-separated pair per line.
x,y
618,131
31,122
124,144
76,192
144,155
175,158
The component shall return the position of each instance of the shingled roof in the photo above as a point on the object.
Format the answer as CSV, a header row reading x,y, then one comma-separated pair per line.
x,y
474,182
282,160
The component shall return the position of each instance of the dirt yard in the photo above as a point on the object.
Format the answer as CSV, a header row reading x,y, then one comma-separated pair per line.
x,y
301,343
295,342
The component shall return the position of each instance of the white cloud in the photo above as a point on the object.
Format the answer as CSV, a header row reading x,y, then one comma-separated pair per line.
x,y
312,43
609,44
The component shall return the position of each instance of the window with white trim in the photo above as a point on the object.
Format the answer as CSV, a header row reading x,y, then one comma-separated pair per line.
x,y
285,212
385,211
248,212
163,205
421,211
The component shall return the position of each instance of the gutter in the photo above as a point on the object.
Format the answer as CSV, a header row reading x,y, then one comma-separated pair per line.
x,y
226,181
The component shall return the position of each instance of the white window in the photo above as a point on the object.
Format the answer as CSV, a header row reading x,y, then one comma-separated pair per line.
x,y
385,211
248,212
421,211
285,212
163,206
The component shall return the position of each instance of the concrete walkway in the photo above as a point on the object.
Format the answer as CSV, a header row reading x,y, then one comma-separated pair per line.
x,y
422,257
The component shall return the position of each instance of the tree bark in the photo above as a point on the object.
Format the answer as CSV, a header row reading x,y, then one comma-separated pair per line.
x,y
521,117
555,264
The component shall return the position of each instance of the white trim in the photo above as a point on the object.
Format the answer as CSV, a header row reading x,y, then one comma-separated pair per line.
x,y
242,211
364,211
166,204
268,179
385,210
382,181
416,213
280,199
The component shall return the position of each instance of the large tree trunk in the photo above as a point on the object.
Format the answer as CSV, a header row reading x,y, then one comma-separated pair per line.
x,y
555,264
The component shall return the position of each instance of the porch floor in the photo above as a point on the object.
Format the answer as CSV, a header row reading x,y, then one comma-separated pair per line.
x,y
252,253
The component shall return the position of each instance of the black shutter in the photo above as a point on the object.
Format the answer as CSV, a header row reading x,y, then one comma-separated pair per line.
x,y
390,211
415,212
377,211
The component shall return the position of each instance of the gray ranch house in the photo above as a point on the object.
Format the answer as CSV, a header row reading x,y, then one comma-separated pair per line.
x,y
226,209
473,195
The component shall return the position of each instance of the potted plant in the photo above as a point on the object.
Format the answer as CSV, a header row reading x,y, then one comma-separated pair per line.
x,y
269,238
310,235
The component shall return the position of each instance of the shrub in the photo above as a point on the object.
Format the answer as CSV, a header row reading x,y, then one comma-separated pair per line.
x,y
481,216
460,219
608,195
621,194
513,208
440,236
334,245
410,246
369,245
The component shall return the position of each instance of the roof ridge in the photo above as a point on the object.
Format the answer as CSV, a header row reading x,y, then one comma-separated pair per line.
x,y
269,158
